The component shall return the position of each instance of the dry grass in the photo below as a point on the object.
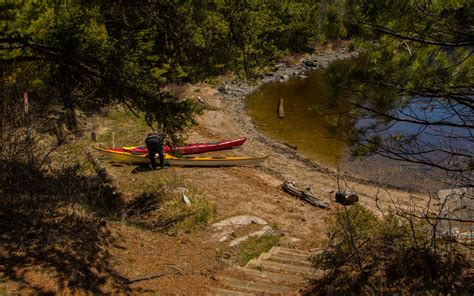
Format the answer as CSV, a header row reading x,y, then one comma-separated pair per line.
x,y
55,214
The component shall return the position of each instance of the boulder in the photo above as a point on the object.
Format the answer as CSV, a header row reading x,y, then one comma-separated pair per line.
x,y
310,63
346,198
224,88
239,221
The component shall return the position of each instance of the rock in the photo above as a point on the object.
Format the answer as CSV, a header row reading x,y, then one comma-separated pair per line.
x,y
445,194
302,76
265,230
309,63
224,88
180,190
186,200
226,228
222,235
456,204
291,240
238,221
346,198
284,77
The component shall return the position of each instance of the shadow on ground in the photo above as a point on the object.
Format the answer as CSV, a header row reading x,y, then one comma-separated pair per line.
x,y
54,223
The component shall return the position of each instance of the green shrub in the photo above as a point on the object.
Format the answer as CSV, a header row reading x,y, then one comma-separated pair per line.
x,y
396,254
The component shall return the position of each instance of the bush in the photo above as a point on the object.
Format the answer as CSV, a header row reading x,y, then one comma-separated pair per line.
x,y
396,254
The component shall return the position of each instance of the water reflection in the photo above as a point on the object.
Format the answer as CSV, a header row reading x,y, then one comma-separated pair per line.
x,y
304,128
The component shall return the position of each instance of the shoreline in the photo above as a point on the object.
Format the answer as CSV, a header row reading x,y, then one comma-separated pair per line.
x,y
235,92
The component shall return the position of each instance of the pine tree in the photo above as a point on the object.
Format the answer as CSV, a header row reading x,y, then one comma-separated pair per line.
x,y
411,91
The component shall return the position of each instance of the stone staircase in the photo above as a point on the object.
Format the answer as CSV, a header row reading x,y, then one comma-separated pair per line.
x,y
281,271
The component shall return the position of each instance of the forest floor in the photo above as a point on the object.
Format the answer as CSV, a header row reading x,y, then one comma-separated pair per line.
x,y
187,262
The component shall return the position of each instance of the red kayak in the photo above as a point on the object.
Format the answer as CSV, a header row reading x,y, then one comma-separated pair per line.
x,y
189,149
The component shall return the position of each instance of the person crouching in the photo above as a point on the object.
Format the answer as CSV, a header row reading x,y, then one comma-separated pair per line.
x,y
154,144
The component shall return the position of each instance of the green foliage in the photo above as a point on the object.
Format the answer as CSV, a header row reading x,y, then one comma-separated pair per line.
x,y
254,246
359,221
411,88
335,28
81,56
396,254
86,55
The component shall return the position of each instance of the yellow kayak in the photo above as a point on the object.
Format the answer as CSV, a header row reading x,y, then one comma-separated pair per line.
x,y
127,157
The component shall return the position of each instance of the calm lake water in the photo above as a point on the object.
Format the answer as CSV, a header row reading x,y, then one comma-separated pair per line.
x,y
304,128
301,126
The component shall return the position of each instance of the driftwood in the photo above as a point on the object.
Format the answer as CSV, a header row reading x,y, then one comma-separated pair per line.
x,y
99,168
294,147
145,278
305,195
155,275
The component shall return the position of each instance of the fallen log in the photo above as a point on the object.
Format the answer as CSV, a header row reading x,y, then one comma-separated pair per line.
x,y
99,168
155,275
306,195
145,278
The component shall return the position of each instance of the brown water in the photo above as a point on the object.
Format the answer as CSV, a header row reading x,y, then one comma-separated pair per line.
x,y
301,126
304,128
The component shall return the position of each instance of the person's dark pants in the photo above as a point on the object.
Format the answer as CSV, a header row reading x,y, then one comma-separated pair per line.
x,y
154,146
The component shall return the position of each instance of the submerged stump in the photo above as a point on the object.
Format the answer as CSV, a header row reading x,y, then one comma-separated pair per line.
x,y
281,108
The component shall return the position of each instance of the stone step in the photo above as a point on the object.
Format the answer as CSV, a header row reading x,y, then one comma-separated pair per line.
x,y
280,271
250,286
282,267
224,292
262,275
295,260
293,252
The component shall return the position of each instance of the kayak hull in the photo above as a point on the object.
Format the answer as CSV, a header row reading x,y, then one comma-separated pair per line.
x,y
123,156
191,148
126,157
215,161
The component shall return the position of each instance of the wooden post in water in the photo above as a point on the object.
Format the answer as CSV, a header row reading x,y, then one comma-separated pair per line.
x,y
281,109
